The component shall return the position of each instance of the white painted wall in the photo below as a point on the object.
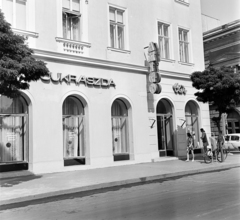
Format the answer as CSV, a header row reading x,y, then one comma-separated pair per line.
x,y
141,17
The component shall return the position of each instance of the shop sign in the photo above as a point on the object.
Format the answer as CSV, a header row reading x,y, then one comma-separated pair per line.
x,y
155,88
59,77
179,89
154,76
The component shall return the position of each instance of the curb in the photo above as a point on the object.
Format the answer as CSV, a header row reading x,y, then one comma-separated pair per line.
x,y
121,183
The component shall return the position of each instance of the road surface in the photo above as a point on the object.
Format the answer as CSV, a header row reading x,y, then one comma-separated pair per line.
x,y
208,196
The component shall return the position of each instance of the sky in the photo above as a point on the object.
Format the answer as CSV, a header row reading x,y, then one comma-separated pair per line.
x,y
224,10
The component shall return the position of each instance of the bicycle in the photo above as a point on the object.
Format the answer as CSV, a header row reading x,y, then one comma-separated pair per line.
x,y
209,156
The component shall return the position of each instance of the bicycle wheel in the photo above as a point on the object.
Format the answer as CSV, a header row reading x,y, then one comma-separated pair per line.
x,y
225,153
219,157
207,158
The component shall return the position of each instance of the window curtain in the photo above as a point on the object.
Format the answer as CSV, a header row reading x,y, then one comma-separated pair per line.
x,y
75,26
12,138
112,35
13,129
73,128
64,16
169,132
120,37
119,128
192,124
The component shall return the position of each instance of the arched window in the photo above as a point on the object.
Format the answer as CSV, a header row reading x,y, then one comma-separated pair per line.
x,y
120,129
13,130
73,129
233,122
191,115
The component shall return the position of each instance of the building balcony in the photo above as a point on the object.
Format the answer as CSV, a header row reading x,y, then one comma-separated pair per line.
x,y
73,47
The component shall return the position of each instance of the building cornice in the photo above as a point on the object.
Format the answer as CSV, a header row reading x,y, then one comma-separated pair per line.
x,y
86,61
24,33
222,31
175,75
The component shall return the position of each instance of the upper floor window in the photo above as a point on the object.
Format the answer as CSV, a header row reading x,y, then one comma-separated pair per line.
x,y
15,12
71,19
163,40
184,45
117,28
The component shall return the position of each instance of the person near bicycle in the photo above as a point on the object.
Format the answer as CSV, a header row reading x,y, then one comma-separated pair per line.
x,y
204,140
213,145
190,146
221,140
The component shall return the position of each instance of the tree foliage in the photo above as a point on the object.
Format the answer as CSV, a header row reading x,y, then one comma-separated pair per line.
x,y
18,67
219,87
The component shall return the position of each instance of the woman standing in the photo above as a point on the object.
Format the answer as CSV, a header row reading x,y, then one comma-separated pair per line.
x,y
190,146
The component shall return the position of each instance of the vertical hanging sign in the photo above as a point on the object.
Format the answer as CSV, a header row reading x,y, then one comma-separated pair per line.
x,y
154,76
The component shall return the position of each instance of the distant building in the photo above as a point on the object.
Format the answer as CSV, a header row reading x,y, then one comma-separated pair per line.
x,y
222,48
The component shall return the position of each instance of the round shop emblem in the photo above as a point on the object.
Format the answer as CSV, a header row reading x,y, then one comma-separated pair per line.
x,y
154,77
155,88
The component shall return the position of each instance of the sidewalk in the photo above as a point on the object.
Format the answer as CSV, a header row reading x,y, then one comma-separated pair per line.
x,y
27,188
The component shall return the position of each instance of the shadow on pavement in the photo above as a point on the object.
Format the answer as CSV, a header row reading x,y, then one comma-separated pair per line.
x,y
17,180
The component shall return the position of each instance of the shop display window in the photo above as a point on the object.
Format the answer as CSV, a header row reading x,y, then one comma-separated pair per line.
x,y
192,123
120,128
73,129
13,130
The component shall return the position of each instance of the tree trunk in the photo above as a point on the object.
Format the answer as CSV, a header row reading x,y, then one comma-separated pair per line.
x,y
219,130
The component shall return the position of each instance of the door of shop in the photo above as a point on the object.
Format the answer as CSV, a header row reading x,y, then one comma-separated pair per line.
x,y
165,135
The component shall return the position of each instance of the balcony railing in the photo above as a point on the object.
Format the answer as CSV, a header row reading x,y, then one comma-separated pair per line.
x,y
73,47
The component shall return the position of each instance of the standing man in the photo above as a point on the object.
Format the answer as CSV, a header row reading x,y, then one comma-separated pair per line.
x,y
213,145
221,140
204,140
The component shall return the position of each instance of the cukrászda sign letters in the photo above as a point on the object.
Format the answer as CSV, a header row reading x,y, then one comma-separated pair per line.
x,y
59,78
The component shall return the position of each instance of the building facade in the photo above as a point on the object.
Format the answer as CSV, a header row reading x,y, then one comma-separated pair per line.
x,y
98,107
221,48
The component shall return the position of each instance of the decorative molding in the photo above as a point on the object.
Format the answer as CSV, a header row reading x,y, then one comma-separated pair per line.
x,y
179,89
167,60
118,50
25,33
182,2
187,64
229,26
80,60
222,31
71,46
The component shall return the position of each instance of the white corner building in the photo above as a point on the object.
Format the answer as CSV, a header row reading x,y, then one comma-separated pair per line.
x,y
95,109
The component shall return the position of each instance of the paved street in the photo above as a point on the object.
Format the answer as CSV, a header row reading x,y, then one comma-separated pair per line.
x,y
213,195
